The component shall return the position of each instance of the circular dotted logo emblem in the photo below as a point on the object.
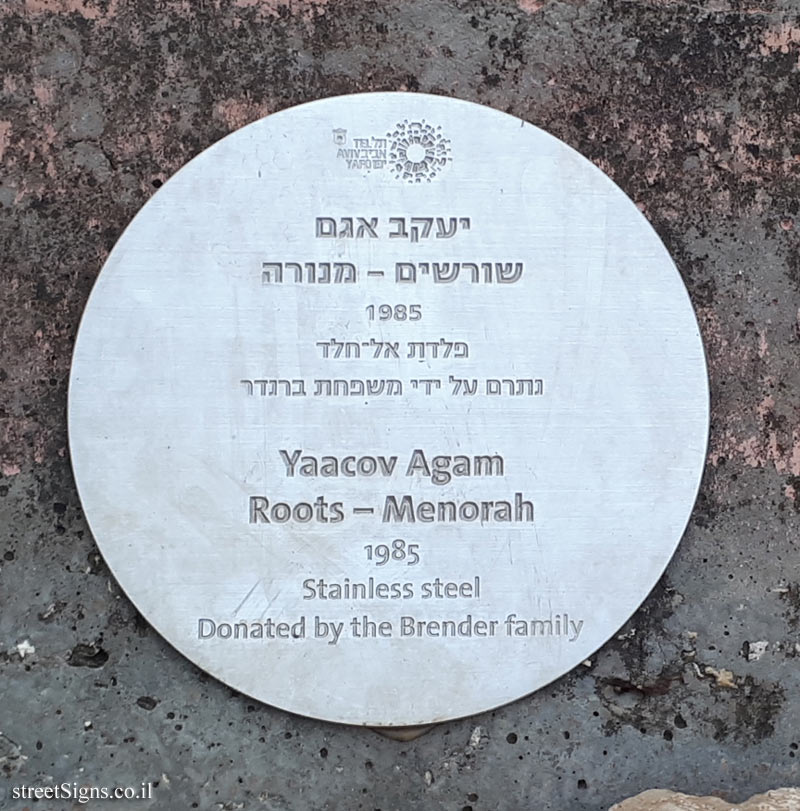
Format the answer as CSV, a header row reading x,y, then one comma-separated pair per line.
x,y
417,151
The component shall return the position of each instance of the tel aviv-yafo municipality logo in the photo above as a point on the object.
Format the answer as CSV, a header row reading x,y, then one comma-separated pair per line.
x,y
414,151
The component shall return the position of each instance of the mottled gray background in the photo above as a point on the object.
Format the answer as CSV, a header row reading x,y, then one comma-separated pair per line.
x,y
693,109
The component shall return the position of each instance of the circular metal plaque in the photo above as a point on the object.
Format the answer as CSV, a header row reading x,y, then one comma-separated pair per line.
x,y
388,409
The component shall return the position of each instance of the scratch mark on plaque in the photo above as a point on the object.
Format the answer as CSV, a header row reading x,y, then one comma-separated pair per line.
x,y
269,604
247,597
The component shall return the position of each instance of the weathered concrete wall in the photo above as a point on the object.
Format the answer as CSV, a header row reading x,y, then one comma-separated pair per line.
x,y
692,108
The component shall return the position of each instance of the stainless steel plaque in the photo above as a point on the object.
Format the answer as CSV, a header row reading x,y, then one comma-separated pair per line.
x,y
388,409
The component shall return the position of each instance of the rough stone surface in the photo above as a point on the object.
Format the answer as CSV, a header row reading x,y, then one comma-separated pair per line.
x,y
692,108
785,799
